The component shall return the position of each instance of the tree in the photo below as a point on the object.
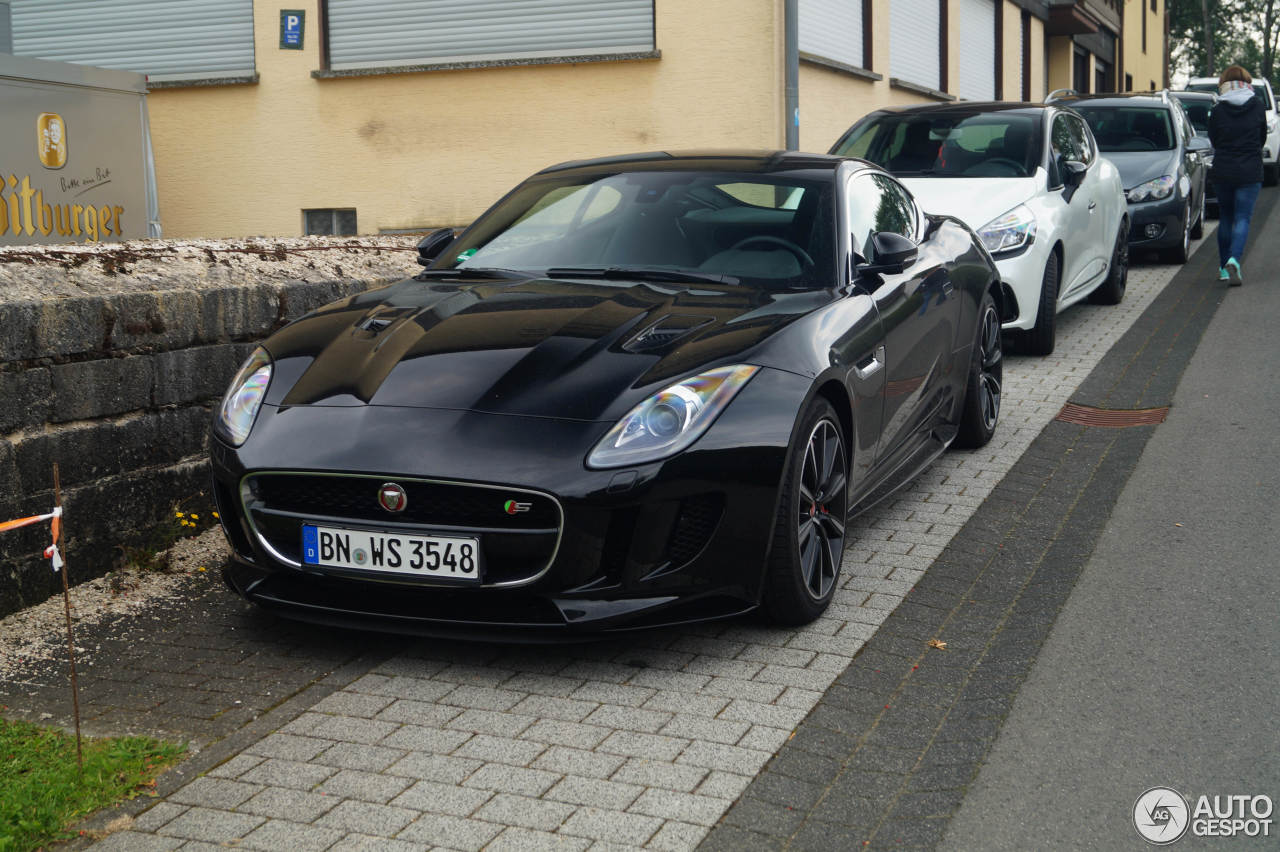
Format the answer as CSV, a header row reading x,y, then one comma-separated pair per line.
x,y
1205,36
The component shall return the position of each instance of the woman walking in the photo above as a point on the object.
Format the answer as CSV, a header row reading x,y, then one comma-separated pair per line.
x,y
1238,131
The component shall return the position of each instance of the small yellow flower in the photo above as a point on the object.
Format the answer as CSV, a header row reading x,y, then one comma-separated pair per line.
x,y
195,517
201,569
179,515
216,515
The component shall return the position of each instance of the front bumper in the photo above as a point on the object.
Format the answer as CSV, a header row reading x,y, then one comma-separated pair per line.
x,y
1156,224
1023,276
679,540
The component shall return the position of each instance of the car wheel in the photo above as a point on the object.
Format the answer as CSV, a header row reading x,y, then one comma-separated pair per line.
x,y
1039,339
1111,292
981,409
1197,230
808,536
1180,252
1270,175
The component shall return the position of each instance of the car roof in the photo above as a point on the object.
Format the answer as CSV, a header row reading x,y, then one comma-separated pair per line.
x,y
707,160
1182,94
968,107
1114,99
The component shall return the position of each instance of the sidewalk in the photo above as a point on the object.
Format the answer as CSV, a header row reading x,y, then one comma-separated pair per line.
x,y
643,743
1162,669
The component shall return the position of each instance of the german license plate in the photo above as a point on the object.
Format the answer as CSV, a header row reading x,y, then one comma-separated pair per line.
x,y
448,557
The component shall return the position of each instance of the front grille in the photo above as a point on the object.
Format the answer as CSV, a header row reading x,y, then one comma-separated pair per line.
x,y
439,504
515,547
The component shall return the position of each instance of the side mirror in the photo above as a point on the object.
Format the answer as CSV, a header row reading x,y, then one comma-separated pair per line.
x,y
891,253
1199,145
433,244
1073,172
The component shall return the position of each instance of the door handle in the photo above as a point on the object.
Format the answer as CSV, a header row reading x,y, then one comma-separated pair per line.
x,y
869,366
1092,204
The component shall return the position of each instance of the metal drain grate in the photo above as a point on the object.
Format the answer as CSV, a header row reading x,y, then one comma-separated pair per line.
x,y
1085,415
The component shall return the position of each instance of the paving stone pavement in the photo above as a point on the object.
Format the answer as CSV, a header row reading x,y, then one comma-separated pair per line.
x,y
643,743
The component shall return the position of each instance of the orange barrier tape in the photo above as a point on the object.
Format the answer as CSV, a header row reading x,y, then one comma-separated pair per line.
x,y
50,552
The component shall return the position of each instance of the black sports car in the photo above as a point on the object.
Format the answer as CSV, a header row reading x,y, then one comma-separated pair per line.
x,y
636,391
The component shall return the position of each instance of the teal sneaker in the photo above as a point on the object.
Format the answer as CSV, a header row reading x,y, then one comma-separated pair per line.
x,y
1233,272
1223,275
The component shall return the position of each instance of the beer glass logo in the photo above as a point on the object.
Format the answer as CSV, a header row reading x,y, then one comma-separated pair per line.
x,y
51,140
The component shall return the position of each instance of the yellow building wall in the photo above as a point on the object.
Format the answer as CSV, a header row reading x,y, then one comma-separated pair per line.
x,y
436,148
831,100
1061,53
1147,67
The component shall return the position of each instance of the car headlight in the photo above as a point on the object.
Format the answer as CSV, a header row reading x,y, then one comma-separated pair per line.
x,y
1153,190
240,406
670,420
1014,230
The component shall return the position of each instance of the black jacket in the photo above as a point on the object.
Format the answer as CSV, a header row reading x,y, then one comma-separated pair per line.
x,y
1238,133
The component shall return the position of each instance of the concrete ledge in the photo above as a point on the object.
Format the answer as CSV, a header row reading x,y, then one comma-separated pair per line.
x,y
111,359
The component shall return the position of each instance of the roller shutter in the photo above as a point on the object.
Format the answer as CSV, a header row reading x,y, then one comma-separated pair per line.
x,y
163,39
975,30
832,29
365,33
914,42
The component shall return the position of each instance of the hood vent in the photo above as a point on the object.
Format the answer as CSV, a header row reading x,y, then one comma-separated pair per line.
x,y
381,318
666,331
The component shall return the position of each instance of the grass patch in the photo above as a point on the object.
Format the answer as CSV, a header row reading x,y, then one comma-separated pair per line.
x,y
42,790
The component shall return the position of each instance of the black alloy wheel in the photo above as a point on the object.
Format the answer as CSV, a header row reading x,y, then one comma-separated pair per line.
x,y
809,532
1197,230
981,411
1040,338
1111,291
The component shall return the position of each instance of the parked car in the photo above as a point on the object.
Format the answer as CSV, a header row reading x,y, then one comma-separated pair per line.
x,y
1028,179
1198,106
636,391
1270,151
1160,158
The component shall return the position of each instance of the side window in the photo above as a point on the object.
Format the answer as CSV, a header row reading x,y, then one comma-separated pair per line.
x,y
1082,139
896,211
863,201
1065,143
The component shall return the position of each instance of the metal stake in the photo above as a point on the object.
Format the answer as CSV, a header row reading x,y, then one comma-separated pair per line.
x,y
66,601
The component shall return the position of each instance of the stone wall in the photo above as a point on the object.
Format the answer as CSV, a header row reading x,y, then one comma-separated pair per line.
x,y
114,376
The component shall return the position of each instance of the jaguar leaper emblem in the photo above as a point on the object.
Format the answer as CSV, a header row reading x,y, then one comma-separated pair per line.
x,y
392,497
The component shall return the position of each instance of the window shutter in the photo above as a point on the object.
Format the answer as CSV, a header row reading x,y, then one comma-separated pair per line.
x,y
832,29
162,39
975,26
365,33
914,52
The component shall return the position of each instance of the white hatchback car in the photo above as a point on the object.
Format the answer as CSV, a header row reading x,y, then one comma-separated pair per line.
x,y
1270,151
1029,180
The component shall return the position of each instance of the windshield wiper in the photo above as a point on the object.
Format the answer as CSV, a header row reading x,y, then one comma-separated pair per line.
x,y
639,273
473,272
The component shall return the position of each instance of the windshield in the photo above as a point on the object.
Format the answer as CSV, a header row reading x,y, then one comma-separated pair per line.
x,y
1129,128
1258,89
773,231
951,145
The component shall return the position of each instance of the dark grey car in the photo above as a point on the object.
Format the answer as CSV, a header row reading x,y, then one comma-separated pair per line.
x,y
1161,161
1198,106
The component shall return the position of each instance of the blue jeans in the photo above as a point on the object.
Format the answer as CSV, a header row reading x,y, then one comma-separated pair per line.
x,y
1235,209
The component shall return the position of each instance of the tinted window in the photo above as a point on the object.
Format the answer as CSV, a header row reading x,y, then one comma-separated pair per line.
x,y
762,229
958,144
1065,140
1198,114
1130,128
